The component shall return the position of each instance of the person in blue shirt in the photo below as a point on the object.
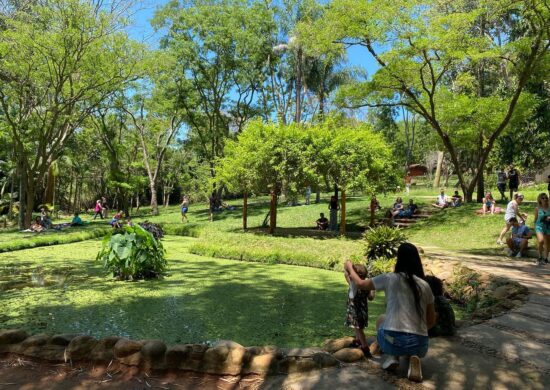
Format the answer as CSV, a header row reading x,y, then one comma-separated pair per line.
x,y
519,240
77,221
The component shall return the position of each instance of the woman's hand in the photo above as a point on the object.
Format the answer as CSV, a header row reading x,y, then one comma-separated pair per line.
x,y
347,265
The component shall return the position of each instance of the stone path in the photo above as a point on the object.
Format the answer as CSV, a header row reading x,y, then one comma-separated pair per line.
x,y
511,351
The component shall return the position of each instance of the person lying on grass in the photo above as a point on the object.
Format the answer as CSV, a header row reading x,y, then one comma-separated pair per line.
x,y
357,316
410,312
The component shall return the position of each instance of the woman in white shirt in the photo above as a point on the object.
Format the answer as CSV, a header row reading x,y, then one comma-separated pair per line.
x,y
403,331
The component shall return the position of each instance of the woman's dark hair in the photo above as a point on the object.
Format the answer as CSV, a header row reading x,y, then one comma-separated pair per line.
x,y
409,264
436,285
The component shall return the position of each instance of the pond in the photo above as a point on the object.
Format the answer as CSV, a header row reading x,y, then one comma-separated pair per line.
x,y
61,289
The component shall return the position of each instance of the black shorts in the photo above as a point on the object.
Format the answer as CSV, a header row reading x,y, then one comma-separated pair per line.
x,y
514,186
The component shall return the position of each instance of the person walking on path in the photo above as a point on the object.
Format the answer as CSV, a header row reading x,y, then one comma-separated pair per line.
x,y
542,228
501,183
333,207
98,209
184,208
104,207
513,181
512,211
410,312
408,181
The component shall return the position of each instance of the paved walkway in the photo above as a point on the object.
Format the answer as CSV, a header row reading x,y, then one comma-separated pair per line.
x,y
511,351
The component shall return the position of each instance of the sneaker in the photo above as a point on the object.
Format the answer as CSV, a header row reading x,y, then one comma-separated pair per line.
x,y
519,255
415,369
510,253
391,363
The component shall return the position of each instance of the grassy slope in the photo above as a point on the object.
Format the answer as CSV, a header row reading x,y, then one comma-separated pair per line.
x,y
203,299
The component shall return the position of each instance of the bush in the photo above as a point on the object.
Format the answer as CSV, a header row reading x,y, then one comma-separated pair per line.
x,y
380,266
153,228
132,253
382,242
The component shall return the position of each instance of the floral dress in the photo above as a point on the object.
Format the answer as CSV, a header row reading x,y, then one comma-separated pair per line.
x,y
358,310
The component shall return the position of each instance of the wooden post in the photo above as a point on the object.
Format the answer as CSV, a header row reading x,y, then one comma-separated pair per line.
x,y
343,212
245,211
273,213
438,169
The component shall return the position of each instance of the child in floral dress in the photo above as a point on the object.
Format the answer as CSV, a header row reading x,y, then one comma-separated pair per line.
x,y
358,308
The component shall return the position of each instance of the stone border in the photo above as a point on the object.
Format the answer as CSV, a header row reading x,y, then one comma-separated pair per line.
x,y
222,358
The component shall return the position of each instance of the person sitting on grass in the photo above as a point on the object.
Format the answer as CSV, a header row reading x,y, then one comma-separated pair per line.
x,y
397,207
456,199
322,222
115,222
45,219
444,314
77,221
36,226
358,308
441,200
488,203
512,211
411,209
517,243
403,330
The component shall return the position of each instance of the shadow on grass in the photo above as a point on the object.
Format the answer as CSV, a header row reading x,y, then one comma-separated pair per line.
x,y
301,232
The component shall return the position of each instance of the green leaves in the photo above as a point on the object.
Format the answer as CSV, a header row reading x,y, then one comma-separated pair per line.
x,y
132,253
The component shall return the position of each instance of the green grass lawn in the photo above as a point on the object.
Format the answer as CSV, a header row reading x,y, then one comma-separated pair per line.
x,y
61,289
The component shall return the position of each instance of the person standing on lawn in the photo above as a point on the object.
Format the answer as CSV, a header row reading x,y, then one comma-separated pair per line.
x,y
501,183
513,181
410,312
333,207
542,228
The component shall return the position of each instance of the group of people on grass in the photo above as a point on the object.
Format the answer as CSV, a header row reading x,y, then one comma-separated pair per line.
x,y
442,201
415,310
521,233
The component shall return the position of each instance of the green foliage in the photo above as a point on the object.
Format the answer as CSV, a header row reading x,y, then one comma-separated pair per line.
x,y
380,266
382,242
132,253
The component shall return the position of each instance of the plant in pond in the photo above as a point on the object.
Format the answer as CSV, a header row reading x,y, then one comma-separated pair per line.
x,y
382,242
132,253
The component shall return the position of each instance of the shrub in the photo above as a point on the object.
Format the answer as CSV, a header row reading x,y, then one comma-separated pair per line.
x,y
382,242
153,228
380,266
132,253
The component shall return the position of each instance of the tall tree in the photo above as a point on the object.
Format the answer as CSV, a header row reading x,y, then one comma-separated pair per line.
x,y
58,61
428,55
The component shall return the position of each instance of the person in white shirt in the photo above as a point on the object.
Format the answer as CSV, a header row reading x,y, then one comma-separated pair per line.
x,y
410,312
441,200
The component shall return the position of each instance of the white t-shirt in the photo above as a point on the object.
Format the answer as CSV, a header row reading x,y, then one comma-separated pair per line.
x,y
401,313
510,211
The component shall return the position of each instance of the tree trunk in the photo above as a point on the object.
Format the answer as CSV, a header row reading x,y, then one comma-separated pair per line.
x,y
438,169
50,187
245,211
298,114
29,204
273,213
480,187
12,186
343,212
22,194
154,201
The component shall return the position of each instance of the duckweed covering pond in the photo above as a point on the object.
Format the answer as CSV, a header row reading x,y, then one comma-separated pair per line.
x,y
61,289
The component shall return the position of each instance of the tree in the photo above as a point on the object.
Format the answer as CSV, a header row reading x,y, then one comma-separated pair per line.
x,y
58,61
429,52
220,49
353,157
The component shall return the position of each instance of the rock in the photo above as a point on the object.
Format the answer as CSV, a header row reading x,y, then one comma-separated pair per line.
x,y
63,339
80,347
501,292
349,355
133,359
302,352
261,364
153,353
50,352
104,349
36,340
268,349
125,347
290,365
332,346
324,359
225,357
517,302
12,336
177,354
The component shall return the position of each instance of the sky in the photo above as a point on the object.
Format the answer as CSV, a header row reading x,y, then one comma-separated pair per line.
x,y
140,29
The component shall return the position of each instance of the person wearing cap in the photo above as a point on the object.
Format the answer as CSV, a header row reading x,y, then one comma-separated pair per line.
x,y
512,211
